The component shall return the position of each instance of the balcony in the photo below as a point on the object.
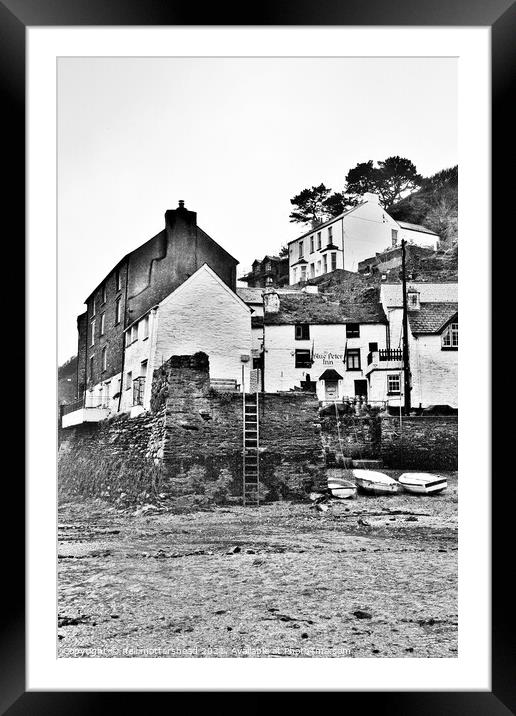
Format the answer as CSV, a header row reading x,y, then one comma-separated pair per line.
x,y
384,359
88,409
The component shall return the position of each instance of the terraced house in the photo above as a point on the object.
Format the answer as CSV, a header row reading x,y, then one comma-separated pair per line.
x,y
118,342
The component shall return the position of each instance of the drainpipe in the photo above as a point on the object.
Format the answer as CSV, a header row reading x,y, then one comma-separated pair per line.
x,y
123,337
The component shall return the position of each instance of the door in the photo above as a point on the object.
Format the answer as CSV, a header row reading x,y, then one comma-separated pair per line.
x,y
361,388
331,390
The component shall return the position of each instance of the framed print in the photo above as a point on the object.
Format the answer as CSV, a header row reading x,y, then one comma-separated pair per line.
x,y
246,464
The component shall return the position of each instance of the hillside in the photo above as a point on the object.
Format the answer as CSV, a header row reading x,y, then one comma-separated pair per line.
x,y
435,205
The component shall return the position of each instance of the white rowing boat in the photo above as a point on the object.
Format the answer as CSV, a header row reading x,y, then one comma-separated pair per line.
x,y
376,483
422,483
341,488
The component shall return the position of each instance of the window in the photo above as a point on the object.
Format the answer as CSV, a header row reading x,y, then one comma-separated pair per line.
x,y
303,273
268,266
92,310
92,328
300,249
302,331
145,326
373,347
325,263
312,270
394,237
92,366
269,281
128,380
118,280
353,359
412,299
143,368
318,268
134,333
352,330
450,337
393,384
318,240
118,310
303,359
333,261
311,244
330,234
102,323
294,275
104,358
256,268
104,293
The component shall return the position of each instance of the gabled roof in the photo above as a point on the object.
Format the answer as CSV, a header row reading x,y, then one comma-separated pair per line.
x,y
317,309
432,317
416,227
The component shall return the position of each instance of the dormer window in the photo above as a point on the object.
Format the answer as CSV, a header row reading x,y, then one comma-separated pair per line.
x,y
413,300
450,337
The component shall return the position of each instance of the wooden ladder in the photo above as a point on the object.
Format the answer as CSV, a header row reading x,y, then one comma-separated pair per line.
x,y
251,450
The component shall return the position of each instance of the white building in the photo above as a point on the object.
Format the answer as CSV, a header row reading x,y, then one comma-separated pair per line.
x,y
343,241
202,314
310,341
433,345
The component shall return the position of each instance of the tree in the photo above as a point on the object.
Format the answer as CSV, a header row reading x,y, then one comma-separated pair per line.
x,y
310,205
283,251
392,179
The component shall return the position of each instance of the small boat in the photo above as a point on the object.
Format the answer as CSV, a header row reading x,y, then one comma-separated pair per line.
x,y
341,488
376,483
422,483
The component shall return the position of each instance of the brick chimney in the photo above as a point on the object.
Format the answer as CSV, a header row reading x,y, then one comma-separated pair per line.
x,y
180,216
271,302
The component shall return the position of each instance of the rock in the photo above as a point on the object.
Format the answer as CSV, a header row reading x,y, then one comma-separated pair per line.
x,y
359,614
304,635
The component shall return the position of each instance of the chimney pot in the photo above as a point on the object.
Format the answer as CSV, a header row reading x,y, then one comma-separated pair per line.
x,y
181,204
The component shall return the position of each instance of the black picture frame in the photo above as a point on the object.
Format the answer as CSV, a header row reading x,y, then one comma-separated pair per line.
x,y
15,17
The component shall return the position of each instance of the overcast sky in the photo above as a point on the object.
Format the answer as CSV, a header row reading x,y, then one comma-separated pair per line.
x,y
234,138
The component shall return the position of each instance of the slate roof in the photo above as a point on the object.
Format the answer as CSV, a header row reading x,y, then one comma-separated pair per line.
x,y
416,227
254,295
432,317
318,310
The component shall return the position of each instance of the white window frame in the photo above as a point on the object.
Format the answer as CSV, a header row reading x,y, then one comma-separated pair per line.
x,y
450,336
104,358
393,377
102,323
333,258
92,329
330,235
146,323
118,310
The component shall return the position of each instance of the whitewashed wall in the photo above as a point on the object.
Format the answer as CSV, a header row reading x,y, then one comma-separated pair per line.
x,y
329,344
203,314
434,372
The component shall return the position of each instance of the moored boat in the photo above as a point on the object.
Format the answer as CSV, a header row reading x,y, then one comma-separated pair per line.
x,y
341,488
376,483
422,483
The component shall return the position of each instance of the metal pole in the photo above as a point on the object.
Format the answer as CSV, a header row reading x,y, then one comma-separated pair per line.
x,y
243,436
406,359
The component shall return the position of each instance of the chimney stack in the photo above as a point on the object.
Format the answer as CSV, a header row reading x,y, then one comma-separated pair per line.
x,y
271,302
